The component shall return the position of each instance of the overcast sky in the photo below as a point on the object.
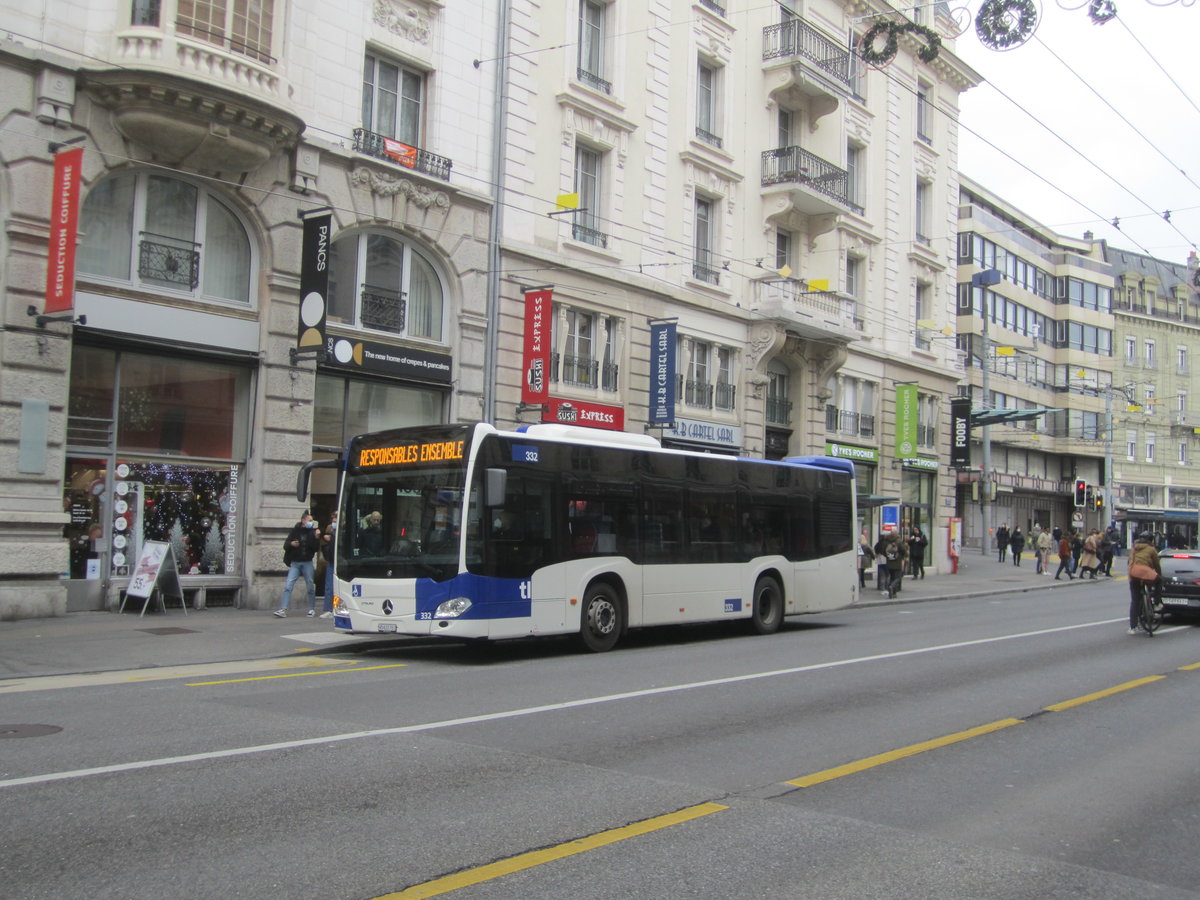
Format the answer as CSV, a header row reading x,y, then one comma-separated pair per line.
x,y
1116,170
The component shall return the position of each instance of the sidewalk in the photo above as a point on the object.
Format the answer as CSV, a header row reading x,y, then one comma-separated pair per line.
x,y
89,642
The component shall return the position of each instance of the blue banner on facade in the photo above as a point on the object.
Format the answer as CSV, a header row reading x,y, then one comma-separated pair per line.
x,y
662,373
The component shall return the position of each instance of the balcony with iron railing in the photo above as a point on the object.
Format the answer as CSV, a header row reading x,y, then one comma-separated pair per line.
x,y
696,393
609,373
382,309
579,371
725,395
806,63
778,410
704,268
592,80
169,261
814,186
382,147
848,422
713,6
584,230
708,137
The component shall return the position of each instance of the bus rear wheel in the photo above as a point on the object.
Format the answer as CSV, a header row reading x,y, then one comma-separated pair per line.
x,y
767,613
602,619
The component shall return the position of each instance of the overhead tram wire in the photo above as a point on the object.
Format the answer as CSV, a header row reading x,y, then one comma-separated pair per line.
x,y
1154,59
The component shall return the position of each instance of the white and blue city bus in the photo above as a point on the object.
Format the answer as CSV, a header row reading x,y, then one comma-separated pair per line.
x,y
471,533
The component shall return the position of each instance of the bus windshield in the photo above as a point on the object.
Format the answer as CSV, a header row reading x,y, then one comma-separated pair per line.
x,y
401,524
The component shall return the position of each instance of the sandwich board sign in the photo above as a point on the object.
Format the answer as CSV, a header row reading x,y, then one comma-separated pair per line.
x,y
155,575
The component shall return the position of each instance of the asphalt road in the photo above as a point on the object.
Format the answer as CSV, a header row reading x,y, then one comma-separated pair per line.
x,y
1014,746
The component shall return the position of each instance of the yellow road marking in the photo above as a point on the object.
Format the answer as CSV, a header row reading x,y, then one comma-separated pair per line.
x,y
1127,686
164,673
892,755
1189,668
533,858
294,675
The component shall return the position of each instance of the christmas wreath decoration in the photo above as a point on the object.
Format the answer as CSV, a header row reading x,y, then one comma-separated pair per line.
x,y
872,55
1002,24
1101,11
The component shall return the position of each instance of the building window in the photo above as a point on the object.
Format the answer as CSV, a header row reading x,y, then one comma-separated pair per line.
x,y
923,109
379,282
726,388
921,211
579,366
708,125
785,128
162,233
1150,441
783,251
610,365
391,100
1131,445
588,185
145,12
779,407
240,27
1183,454
703,262
921,314
1149,361
1131,350
697,387
593,33
1181,360
853,276
854,157
927,421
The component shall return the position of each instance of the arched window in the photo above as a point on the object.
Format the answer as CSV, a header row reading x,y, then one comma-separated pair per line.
x,y
380,282
163,233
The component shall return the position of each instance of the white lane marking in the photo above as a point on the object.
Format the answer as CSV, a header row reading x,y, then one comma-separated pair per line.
x,y
526,711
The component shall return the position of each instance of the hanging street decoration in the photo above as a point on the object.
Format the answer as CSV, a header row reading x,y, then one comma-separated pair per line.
x,y
1101,11
874,55
1004,24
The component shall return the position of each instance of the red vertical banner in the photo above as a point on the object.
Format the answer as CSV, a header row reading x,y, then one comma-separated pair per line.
x,y
535,383
64,228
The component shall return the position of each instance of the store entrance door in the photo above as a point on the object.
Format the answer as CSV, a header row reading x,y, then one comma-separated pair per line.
x,y
85,492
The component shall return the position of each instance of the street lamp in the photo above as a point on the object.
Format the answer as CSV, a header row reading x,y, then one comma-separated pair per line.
x,y
985,279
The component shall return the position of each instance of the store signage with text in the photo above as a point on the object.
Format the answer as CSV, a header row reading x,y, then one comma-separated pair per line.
x,y
591,415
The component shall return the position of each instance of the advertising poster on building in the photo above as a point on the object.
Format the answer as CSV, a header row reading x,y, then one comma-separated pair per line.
x,y
314,281
579,412
662,373
960,432
64,226
906,420
535,380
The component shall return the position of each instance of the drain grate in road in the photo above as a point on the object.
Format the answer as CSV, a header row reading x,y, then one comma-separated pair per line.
x,y
27,731
168,630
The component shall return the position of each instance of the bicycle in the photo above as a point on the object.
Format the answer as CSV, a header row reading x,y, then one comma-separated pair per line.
x,y
1149,614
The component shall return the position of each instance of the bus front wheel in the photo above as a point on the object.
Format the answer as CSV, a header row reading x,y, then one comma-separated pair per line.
x,y
602,618
767,614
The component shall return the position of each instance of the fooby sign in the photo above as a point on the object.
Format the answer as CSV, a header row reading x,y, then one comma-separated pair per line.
x,y
591,415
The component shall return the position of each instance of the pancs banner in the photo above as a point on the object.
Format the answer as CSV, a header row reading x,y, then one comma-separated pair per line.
x,y
314,281
535,383
662,373
906,420
960,432
64,227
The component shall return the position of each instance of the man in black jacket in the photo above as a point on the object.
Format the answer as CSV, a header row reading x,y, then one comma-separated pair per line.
x,y
299,548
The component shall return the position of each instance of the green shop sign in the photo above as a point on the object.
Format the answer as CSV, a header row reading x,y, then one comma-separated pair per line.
x,y
846,451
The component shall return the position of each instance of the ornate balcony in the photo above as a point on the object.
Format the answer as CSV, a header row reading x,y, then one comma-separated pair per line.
x,y
806,67
813,315
198,100
383,147
805,183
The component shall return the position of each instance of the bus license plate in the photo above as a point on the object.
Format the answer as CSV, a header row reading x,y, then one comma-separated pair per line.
x,y
388,627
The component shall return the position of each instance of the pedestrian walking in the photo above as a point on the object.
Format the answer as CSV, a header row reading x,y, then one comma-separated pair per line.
x,y
299,548
328,544
895,553
1105,554
1076,549
881,569
866,556
1002,542
1064,558
917,542
1016,543
1089,562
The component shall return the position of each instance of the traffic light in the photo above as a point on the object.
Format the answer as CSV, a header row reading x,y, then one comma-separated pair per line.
x,y
1089,499
1099,499
1080,492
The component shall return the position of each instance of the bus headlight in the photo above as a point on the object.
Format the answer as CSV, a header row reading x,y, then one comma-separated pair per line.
x,y
452,609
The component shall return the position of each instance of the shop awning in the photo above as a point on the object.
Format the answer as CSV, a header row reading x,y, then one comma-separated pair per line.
x,y
866,501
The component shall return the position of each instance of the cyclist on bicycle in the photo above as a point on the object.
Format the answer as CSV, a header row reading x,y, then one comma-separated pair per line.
x,y
1143,560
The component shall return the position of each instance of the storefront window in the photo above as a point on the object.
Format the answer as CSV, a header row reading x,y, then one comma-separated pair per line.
x,y
170,438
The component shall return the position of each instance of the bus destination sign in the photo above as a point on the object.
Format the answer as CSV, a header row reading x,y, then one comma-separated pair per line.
x,y
410,454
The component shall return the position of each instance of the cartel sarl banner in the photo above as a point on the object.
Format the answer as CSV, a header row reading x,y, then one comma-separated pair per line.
x,y
662,373
64,229
535,368
960,432
314,281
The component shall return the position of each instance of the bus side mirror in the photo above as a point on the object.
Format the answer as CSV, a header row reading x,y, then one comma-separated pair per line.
x,y
495,486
